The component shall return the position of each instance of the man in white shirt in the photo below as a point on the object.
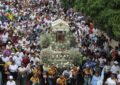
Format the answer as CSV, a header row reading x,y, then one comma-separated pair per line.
x,y
5,59
22,74
13,69
5,37
107,67
102,60
111,80
18,60
11,81
35,59
20,54
115,68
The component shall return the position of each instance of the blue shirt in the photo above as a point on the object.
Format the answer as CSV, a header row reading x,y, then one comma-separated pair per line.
x,y
95,80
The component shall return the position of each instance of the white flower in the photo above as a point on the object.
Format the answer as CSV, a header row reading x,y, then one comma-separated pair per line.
x,y
63,65
57,56
57,65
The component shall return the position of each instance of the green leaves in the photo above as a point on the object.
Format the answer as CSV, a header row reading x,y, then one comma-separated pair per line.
x,y
106,14
68,3
114,4
76,56
45,40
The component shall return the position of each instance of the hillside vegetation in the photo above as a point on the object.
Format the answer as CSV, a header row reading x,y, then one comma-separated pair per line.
x,y
106,13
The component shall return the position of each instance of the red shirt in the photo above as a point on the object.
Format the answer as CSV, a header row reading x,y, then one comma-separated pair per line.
x,y
91,27
25,60
15,39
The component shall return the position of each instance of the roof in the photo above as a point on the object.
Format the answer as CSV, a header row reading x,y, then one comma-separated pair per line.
x,y
59,21
60,25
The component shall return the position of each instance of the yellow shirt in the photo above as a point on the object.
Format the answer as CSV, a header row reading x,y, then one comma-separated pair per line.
x,y
52,70
8,63
10,16
61,81
34,71
34,80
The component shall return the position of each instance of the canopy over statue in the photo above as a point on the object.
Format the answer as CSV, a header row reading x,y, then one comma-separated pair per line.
x,y
60,25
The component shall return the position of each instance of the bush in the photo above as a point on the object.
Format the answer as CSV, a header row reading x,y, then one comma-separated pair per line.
x,y
73,42
76,56
45,40
46,54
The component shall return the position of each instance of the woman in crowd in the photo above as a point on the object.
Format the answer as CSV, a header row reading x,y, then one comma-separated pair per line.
x,y
95,78
87,75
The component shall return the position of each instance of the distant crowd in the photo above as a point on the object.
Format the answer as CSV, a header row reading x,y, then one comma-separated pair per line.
x,y
21,24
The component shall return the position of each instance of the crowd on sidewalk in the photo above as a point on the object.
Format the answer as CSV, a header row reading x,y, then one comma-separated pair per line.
x,y
21,24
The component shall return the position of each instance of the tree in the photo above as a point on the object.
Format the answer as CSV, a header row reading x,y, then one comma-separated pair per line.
x,y
106,14
68,3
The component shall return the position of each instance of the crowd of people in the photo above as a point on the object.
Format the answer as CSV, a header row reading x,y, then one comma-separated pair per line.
x,y
21,24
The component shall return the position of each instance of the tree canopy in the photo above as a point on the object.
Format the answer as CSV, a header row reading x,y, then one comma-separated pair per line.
x,y
106,14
